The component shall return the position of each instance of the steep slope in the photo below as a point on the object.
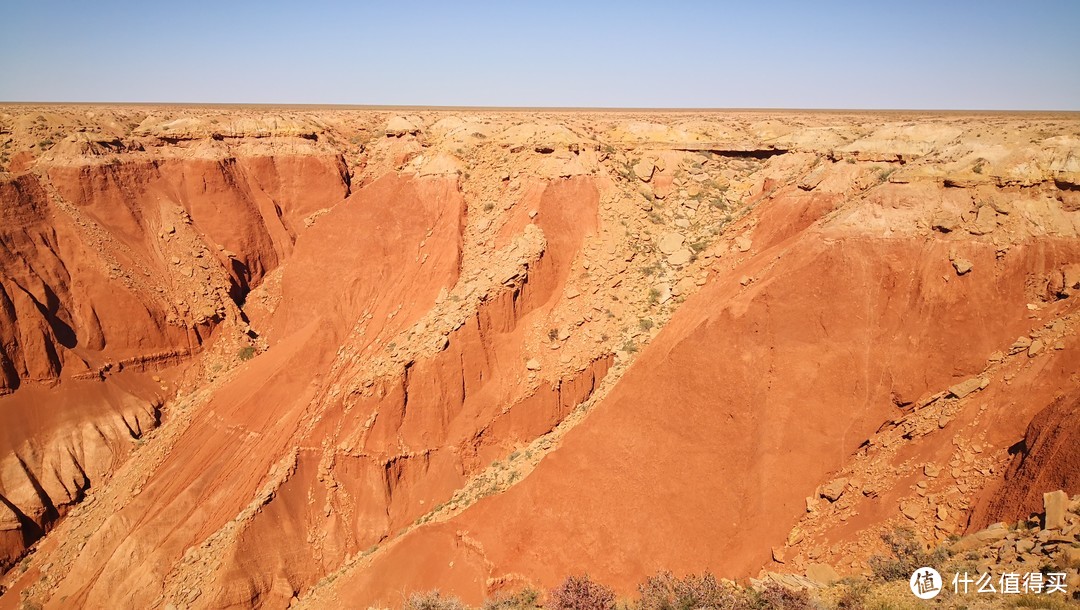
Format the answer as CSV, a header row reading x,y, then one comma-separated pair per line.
x,y
1047,459
762,384
114,273
529,346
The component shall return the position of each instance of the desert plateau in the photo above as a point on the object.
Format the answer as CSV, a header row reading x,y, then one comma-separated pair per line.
x,y
319,357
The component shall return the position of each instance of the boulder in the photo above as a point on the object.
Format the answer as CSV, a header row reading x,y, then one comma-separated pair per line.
x,y
400,126
985,221
822,573
962,265
670,243
1055,505
968,386
680,257
1034,349
995,532
644,169
834,490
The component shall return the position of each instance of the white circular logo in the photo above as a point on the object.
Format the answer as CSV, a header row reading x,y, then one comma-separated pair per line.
x,y
925,583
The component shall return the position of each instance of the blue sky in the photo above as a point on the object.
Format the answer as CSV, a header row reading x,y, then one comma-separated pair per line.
x,y
914,54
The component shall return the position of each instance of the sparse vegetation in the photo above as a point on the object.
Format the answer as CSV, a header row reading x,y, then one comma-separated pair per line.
x,y
1044,602
854,595
907,554
645,323
526,599
246,353
776,597
581,593
433,600
666,592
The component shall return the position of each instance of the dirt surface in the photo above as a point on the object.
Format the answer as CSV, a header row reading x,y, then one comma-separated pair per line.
x,y
323,357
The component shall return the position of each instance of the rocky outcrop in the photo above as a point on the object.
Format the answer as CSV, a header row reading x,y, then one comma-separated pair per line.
x,y
111,271
365,459
1047,459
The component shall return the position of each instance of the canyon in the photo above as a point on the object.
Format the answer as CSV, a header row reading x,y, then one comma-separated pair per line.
x,y
317,357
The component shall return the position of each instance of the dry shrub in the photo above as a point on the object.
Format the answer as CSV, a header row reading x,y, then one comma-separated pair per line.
x,y
776,597
526,599
664,591
907,556
433,600
581,593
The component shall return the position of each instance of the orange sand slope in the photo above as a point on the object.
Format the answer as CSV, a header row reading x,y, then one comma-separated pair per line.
x,y
319,357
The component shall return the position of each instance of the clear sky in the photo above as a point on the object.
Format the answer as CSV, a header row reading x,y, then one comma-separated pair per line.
x,y
811,54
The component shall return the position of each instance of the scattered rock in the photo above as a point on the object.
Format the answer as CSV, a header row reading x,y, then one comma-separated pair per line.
x,y
962,265
995,532
1055,505
1034,349
822,573
644,169
400,126
742,243
533,364
912,510
985,221
1070,555
670,243
680,257
1020,345
778,555
834,490
968,386
944,222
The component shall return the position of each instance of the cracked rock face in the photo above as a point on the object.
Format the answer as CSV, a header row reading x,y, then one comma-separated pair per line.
x,y
321,357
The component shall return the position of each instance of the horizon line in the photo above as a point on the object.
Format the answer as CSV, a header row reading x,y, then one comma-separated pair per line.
x,y
378,107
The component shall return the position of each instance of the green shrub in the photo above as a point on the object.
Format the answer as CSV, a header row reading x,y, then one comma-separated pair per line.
x,y
246,353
